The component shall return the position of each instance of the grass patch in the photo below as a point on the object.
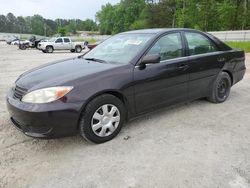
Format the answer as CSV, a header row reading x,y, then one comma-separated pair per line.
x,y
92,41
79,39
242,45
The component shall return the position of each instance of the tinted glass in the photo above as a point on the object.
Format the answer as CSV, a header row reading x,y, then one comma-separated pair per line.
x,y
199,44
59,40
66,40
120,49
168,47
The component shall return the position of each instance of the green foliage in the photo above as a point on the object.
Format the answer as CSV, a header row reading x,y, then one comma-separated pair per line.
x,y
138,24
38,25
241,45
62,31
121,17
207,15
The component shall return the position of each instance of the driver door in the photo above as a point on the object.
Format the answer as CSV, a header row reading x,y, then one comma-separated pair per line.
x,y
166,82
58,44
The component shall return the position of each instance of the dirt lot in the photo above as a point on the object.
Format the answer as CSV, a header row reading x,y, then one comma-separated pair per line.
x,y
197,144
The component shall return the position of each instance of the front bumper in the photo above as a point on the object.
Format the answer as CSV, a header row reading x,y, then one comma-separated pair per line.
x,y
41,47
52,120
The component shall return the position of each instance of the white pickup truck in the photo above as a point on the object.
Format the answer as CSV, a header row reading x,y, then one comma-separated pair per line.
x,y
60,43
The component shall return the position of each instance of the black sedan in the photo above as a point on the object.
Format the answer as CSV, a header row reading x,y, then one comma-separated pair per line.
x,y
123,77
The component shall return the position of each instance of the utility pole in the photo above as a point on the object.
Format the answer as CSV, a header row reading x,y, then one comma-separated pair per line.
x,y
244,15
45,29
183,12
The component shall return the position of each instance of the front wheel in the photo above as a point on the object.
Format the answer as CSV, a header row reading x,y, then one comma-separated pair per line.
x,y
49,49
102,119
221,88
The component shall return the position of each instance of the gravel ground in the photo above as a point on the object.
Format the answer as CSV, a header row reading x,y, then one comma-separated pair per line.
x,y
197,144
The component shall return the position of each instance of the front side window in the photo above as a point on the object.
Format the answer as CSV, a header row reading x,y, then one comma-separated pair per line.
x,y
168,47
199,44
59,40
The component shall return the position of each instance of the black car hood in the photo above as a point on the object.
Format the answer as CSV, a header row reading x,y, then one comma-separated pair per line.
x,y
60,73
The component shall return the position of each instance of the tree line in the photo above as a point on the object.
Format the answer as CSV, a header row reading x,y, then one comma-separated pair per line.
x,y
206,15
40,26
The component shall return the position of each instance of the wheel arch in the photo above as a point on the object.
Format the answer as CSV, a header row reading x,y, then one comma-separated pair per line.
x,y
230,74
49,45
115,93
78,45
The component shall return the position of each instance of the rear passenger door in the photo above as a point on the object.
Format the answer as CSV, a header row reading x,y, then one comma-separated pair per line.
x,y
67,44
205,62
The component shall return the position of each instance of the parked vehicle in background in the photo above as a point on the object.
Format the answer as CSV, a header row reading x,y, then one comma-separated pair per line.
x,y
15,42
93,45
61,43
125,76
31,43
23,45
37,41
12,40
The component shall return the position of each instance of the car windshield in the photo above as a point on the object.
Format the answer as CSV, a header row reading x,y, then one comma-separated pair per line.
x,y
119,49
52,39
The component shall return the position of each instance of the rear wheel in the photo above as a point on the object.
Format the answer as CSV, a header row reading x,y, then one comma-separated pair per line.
x,y
221,88
78,49
102,119
49,49
22,47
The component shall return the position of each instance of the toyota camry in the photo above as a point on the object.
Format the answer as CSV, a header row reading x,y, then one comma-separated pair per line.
x,y
125,76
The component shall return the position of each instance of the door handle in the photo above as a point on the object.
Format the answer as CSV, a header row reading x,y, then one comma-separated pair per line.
x,y
221,59
183,67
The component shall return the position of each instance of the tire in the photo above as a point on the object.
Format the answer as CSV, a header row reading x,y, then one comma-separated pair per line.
x,y
221,88
44,51
103,123
78,49
72,50
22,47
49,49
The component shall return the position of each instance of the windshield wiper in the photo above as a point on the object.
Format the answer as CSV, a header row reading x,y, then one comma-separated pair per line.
x,y
95,59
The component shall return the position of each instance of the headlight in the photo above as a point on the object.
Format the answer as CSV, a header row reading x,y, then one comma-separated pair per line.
x,y
46,95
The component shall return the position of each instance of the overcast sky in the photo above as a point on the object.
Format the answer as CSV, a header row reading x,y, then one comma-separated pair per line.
x,y
53,9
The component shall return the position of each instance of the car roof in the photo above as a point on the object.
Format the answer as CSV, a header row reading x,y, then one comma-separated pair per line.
x,y
156,30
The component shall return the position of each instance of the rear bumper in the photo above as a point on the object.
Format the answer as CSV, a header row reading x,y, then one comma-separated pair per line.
x,y
51,120
238,75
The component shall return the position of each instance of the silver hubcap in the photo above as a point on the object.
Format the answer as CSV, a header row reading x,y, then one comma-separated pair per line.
x,y
105,120
49,49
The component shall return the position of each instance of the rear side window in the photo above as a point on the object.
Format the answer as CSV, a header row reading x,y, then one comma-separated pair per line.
x,y
168,47
199,44
66,40
59,40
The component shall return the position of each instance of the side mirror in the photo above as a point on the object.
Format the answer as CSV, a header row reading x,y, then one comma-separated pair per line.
x,y
151,59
